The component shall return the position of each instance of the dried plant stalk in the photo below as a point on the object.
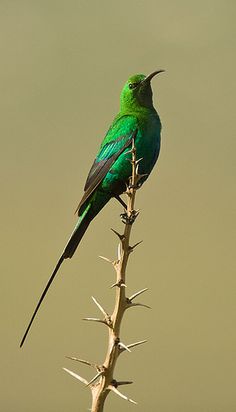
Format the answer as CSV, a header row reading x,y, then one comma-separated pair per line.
x,y
104,382
101,389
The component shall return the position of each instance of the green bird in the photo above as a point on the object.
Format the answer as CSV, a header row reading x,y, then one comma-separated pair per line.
x,y
110,171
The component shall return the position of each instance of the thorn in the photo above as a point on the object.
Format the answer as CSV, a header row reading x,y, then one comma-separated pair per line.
x,y
132,345
121,237
127,188
138,161
114,389
136,171
107,321
79,360
133,140
114,262
130,160
142,175
100,307
82,361
138,304
119,284
95,378
120,383
129,151
123,346
95,320
131,248
106,259
75,375
137,293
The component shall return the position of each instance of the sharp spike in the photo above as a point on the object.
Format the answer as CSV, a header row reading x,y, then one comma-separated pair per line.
x,y
95,320
131,305
131,248
100,307
115,390
119,285
120,383
142,175
123,346
106,322
75,375
137,294
121,237
132,345
106,259
95,378
82,361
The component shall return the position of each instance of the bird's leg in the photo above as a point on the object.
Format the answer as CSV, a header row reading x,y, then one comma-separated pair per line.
x,y
124,216
117,197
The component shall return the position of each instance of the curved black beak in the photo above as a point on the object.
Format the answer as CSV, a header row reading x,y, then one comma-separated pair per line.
x,y
150,76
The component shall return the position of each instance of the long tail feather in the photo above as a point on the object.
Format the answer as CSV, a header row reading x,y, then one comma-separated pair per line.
x,y
76,236
42,297
68,253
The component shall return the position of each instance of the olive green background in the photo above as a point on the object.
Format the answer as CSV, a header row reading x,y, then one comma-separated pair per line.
x,y
63,64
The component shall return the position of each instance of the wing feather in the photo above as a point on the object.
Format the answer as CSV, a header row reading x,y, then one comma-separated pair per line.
x,y
103,162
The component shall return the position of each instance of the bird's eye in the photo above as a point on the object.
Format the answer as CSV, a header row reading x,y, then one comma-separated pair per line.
x,y
132,85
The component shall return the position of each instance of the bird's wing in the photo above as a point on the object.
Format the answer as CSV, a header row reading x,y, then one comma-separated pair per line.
x,y
118,138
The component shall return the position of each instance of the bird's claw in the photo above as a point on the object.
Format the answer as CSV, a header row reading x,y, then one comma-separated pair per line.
x,y
135,187
129,219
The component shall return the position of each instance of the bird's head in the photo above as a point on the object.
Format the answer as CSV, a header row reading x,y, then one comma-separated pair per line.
x,y
137,92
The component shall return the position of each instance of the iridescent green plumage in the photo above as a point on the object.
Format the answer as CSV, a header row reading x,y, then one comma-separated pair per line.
x,y
111,170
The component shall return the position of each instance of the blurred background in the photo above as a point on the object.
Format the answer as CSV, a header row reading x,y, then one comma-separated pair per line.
x,y
63,64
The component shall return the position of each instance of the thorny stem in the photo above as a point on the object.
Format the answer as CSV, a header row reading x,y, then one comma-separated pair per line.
x,y
100,389
104,381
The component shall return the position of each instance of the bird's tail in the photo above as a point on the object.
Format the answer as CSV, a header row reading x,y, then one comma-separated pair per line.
x,y
42,297
69,250
78,233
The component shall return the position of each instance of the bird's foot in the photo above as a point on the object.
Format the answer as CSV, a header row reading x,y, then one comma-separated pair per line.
x,y
135,187
128,219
